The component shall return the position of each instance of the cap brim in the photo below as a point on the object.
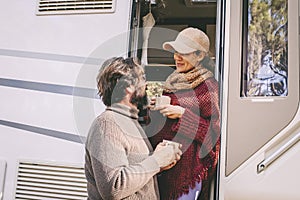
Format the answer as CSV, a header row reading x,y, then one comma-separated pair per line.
x,y
178,47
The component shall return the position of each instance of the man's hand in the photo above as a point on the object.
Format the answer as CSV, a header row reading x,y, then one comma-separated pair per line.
x,y
166,154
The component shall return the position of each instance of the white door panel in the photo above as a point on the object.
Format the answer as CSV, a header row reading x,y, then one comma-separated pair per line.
x,y
256,128
278,181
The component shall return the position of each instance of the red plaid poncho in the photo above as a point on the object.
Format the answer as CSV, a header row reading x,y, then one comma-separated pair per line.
x,y
198,131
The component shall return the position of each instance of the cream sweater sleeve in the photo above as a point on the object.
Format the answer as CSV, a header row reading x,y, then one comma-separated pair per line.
x,y
118,174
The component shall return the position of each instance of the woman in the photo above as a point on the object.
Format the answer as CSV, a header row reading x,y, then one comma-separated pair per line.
x,y
192,119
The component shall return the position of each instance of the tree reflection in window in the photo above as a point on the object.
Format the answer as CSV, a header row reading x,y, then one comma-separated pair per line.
x,y
265,64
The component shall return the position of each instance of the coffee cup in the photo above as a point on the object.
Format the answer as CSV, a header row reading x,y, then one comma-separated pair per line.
x,y
162,100
174,144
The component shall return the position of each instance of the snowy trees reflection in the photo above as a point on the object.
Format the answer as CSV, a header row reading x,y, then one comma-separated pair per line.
x,y
266,71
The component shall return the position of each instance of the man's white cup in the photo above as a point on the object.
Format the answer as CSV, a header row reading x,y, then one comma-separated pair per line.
x,y
162,100
174,144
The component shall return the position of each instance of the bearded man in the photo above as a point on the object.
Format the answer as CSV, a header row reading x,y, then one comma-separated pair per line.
x,y
120,162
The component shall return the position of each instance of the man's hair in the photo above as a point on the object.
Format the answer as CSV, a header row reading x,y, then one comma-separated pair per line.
x,y
115,75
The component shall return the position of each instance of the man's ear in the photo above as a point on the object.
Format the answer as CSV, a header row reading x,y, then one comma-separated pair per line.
x,y
130,89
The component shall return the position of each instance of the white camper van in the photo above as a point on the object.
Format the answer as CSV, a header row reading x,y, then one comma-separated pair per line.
x,y
51,51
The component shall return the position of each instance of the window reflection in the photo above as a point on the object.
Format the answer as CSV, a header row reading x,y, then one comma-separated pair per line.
x,y
265,52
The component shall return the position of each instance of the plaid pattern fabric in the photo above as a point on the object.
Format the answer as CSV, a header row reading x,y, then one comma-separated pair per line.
x,y
198,131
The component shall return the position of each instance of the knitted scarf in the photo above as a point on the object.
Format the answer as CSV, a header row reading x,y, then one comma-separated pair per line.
x,y
189,80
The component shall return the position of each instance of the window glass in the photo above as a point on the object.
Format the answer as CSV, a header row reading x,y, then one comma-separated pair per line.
x,y
265,48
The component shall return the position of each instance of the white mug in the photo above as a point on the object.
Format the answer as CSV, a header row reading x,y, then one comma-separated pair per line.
x,y
174,144
162,100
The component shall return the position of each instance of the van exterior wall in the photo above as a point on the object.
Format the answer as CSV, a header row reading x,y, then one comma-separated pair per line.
x,y
55,53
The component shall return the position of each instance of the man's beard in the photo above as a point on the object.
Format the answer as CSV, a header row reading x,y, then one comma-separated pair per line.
x,y
141,101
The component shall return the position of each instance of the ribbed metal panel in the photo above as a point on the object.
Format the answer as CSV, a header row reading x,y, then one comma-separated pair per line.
x,y
50,7
50,181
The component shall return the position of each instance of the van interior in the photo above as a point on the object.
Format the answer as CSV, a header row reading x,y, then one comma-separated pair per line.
x,y
159,21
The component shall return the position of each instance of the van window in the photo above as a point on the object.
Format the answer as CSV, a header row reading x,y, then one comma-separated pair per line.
x,y
265,48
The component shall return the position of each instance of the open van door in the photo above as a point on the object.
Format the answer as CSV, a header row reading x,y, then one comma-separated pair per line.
x,y
260,149
256,49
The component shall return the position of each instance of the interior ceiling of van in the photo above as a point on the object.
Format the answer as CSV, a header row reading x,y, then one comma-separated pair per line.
x,y
179,9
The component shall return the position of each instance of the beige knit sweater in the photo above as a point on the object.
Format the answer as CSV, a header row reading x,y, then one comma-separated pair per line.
x,y
118,162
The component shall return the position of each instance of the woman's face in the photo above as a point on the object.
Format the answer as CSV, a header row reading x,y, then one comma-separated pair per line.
x,y
185,62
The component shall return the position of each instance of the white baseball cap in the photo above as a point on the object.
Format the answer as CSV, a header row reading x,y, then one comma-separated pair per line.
x,y
188,41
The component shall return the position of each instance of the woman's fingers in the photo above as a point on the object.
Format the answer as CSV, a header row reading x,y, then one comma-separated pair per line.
x,y
171,111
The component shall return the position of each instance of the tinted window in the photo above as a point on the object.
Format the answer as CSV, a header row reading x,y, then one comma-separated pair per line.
x,y
265,48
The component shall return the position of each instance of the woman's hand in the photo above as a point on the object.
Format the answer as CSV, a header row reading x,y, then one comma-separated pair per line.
x,y
171,111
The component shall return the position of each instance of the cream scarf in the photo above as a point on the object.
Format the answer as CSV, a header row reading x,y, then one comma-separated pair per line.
x,y
187,80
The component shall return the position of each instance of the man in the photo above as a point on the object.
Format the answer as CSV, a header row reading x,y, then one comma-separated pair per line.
x,y
120,163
